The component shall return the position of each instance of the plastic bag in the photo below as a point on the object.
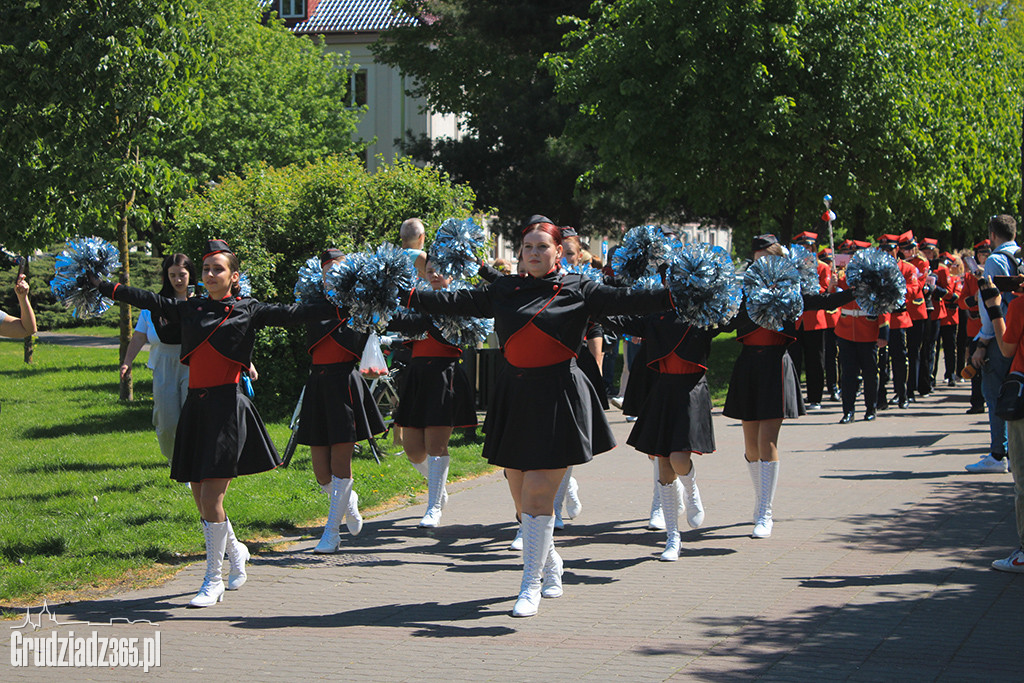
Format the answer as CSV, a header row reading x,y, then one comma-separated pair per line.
x,y
372,364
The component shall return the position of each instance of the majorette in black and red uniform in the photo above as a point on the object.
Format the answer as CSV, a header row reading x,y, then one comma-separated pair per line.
x,y
436,391
545,413
337,406
220,433
674,414
764,385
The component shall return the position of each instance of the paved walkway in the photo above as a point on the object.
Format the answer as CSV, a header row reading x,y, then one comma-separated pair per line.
x,y
877,570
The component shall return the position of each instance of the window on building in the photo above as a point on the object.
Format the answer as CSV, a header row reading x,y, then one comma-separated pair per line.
x,y
357,96
291,9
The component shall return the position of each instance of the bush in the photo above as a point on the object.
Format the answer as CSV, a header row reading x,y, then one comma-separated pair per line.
x,y
277,218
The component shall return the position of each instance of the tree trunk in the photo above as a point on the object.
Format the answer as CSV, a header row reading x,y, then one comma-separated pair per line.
x,y
127,386
30,341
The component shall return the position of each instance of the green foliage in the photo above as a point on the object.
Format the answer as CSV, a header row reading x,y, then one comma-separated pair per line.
x,y
907,113
276,219
85,497
479,59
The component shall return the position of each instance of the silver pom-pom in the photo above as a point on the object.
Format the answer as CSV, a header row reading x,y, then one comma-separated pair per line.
x,y
370,284
643,249
457,248
647,282
771,286
309,289
587,271
877,283
70,285
806,263
459,330
704,286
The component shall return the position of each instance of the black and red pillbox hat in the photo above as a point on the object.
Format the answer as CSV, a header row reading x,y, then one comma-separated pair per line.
x,y
984,245
762,242
537,218
216,247
328,255
568,231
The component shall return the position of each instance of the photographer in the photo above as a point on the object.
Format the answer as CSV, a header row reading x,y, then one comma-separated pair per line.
x,y
1009,338
25,326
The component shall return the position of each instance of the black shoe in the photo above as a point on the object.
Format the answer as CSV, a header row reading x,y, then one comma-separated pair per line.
x,y
847,419
904,404
834,396
882,405
868,417
976,410
951,382
911,399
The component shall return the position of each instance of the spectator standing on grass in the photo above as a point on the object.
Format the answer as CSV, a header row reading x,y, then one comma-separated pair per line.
x,y
987,357
170,375
24,326
1010,340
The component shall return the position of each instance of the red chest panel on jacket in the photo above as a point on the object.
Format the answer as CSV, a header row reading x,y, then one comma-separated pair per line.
x,y
431,348
529,347
327,352
208,368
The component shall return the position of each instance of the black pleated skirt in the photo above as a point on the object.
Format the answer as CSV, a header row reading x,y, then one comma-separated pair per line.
x,y
638,385
337,407
220,436
764,385
675,417
436,393
544,418
588,364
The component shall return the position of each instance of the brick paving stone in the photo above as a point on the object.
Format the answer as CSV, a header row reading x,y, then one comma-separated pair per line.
x,y
877,569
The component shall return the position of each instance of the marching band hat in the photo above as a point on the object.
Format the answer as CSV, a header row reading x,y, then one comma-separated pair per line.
x,y
806,237
762,242
328,255
861,244
888,241
984,245
567,231
906,240
216,247
929,243
537,218
845,245
946,256
825,254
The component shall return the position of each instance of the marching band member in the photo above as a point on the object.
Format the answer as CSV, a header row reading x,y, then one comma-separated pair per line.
x,y
810,332
918,311
545,415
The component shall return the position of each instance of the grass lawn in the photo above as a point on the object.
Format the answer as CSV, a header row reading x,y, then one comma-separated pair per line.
x,y
85,498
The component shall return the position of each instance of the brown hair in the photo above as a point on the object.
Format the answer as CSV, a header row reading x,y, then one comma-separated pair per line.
x,y
166,290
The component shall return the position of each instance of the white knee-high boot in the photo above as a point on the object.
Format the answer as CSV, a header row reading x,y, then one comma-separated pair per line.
x,y
573,504
331,539
755,478
435,490
670,507
517,542
238,555
691,498
538,535
350,504
212,590
657,519
551,581
769,480
560,498
422,467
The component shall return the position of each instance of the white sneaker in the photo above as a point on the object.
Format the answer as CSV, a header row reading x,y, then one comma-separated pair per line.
x,y
631,418
988,465
616,401
1013,563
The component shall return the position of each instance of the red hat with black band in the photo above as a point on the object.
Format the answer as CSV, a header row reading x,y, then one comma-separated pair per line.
x,y
984,245
929,243
907,241
806,237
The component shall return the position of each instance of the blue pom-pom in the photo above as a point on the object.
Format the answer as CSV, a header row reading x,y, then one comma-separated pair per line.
x,y
587,271
309,289
457,248
877,283
704,286
771,286
643,249
370,284
806,263
70,285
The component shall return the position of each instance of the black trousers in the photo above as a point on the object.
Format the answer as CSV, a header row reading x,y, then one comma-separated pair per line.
x,y
947,335
915,334
883,376
897,351
858,359
977,399
831,360
926,368
811,355
961,341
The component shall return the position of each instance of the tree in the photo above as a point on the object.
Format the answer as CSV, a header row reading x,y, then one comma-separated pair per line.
x,y
88,88
480,59
751,111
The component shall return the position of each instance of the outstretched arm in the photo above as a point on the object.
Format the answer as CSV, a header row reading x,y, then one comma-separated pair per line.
x,y
25,326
